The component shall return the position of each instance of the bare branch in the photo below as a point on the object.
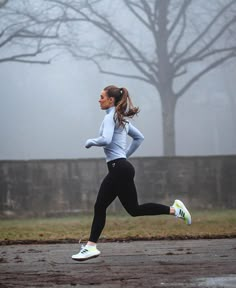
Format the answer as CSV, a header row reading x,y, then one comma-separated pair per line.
x,y
15,59
130,5
208,54
180,36
204,32
197,56
181,73
20,58
25,32
181,13
10,37
205,71
151,19
120,74
129,48
217,36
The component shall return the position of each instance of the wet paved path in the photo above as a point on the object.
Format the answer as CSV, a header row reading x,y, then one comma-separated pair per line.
x,y
181,263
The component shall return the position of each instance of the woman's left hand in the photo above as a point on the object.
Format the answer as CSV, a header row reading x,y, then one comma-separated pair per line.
x,y
88,143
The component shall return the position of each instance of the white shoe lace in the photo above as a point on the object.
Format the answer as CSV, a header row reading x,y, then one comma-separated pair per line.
x,y
83,249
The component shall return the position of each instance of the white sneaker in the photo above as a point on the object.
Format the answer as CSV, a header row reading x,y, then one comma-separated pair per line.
x,y
182,212
86,252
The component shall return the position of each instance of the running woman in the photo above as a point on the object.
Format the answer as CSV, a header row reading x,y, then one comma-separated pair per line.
x,y
119,181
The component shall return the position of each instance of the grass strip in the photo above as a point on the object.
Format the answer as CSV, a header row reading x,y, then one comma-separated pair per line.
x,y
119,227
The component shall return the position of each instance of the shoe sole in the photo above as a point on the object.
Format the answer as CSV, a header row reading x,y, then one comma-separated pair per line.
x,y
181,205
84,259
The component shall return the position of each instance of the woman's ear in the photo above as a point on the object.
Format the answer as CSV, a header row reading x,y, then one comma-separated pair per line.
x,y
112,101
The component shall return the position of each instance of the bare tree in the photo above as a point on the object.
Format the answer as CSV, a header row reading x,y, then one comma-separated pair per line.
x,y
24,36
181,33
178,35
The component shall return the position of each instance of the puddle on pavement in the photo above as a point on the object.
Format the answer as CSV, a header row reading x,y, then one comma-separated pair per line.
x,y
219,282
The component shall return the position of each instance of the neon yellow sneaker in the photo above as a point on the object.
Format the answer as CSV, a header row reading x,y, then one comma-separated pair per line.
x,y
182,212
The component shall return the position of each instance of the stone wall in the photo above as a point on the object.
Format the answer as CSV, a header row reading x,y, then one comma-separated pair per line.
x,y
50,187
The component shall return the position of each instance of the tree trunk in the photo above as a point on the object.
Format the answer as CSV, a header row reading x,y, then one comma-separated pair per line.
x,y
229,78
168,101
165,81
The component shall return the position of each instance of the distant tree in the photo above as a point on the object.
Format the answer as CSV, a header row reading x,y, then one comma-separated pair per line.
x,y
179,34
164,42
23,36
229,73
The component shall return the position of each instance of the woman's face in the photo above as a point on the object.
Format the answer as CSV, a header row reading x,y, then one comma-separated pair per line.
x,y
105,101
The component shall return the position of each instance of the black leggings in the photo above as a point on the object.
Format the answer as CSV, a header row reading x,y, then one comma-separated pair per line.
x,y
120,182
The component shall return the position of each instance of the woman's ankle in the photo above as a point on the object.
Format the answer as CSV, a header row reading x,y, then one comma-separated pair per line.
x,y
90,243
172,211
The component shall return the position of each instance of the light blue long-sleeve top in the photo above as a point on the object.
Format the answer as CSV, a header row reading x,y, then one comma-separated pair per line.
x,y
113,138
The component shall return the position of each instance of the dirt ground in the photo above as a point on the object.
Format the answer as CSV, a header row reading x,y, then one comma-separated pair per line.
x,y
181,263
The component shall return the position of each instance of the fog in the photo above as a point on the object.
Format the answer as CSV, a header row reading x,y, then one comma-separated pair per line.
x,y
49,111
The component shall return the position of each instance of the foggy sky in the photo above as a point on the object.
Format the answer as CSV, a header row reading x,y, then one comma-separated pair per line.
x,y
48,112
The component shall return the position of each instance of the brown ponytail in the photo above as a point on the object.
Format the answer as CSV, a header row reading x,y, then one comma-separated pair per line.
x,y
123,104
